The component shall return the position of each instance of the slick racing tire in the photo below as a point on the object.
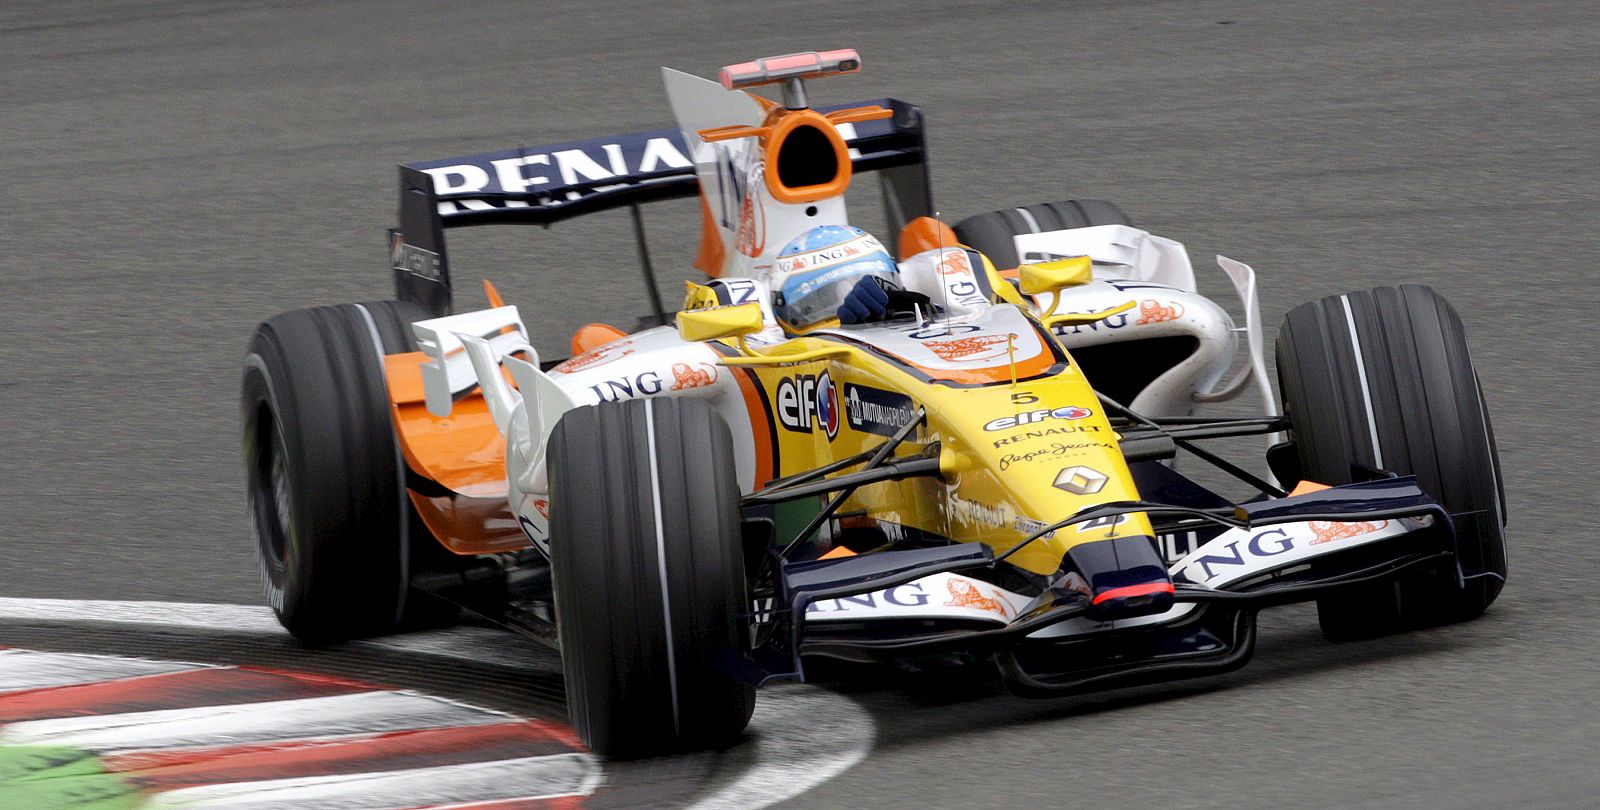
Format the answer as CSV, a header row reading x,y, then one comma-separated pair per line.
x,y
1383,380
991,233
329,513
651,598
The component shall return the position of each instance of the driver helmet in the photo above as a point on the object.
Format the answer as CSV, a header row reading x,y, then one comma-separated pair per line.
x,y
819,268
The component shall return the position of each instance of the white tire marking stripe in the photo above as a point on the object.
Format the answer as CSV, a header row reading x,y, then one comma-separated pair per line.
x,y
1033,224
25,669
236,724
1366,393
525,779
400,470
661,559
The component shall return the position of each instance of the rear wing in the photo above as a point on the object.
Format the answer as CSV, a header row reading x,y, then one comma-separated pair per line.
x,y
547,184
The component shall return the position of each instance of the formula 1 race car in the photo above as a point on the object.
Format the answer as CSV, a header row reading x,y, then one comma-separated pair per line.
x,y
987,467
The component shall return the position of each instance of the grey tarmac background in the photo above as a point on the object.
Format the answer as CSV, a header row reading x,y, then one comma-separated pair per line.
x,y
172,173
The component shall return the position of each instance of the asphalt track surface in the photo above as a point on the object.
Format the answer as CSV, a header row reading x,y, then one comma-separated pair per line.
x,y
173,173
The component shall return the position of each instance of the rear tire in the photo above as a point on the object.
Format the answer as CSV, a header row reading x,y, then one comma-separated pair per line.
x,y
325,480
1414,375
650,612
991,233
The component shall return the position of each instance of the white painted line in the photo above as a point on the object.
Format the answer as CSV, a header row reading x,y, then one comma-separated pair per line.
x,y
527,779
218,619
803,736
245,723
26,669
478,644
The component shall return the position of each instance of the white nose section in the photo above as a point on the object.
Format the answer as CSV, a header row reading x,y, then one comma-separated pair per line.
x,y
543,403
497,392
525,415
546,400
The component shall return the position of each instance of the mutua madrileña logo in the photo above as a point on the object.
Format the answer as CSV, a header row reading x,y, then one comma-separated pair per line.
x,y
871,410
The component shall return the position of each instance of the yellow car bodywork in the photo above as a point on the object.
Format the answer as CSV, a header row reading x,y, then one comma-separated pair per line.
x,y
1007,463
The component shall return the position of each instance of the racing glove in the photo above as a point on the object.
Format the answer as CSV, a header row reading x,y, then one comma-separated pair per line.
x,y
867,301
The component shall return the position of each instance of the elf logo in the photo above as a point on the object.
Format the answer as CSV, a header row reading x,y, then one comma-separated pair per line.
x,y
1034,417
806,400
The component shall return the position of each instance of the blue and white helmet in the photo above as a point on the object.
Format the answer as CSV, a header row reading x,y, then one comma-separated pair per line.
x,y
815,272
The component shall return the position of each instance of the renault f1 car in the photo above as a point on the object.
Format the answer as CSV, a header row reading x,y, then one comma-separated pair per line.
x,y
699,507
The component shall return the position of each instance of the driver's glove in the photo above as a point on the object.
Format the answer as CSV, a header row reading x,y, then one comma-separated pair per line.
x,y
867,301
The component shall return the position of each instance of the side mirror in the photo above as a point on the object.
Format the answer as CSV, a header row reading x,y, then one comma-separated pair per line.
x,y
697,325
699,296
1055,274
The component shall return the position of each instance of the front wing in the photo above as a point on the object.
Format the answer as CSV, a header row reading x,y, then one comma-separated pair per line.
x,y
930,601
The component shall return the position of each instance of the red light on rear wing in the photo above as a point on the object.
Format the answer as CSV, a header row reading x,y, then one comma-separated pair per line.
x,y
775,69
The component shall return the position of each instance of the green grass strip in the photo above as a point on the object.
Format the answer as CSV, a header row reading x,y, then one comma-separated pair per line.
x,y
51,777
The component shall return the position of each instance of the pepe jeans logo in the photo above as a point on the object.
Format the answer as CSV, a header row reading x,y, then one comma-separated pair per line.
x,y
1055,450
806,401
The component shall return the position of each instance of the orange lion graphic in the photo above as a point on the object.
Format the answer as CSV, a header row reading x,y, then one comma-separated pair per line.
x,y
687,376
965,594
1151,311
1328,531
952,262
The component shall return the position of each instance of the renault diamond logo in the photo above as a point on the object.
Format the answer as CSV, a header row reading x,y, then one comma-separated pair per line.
x,y
1080,480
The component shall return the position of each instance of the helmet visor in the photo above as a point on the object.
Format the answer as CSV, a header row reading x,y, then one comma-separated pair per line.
x,y
807,299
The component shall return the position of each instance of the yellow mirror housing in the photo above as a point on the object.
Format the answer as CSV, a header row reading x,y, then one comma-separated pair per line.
x,y
699,296
1082,318
699,325
1055,274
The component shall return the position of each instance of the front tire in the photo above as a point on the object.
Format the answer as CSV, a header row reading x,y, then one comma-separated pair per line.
x,y
649,576
325,481
1384,380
